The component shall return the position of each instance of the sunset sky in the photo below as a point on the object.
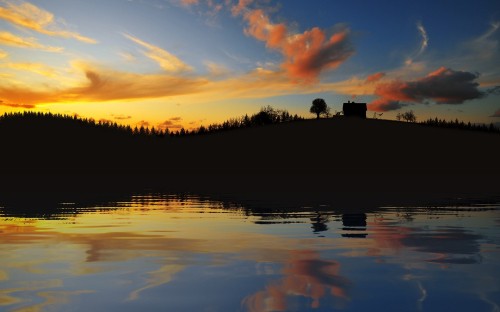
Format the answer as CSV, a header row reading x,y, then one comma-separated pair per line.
x,y
184,63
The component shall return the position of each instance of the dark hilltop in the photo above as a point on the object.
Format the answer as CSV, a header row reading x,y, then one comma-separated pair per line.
x,y
348,160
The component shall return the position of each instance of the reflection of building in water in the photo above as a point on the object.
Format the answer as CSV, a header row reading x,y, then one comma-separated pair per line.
x,y
354,222
354,109
319,222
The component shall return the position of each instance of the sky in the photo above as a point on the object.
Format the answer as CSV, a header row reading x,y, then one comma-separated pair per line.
x,y
186,63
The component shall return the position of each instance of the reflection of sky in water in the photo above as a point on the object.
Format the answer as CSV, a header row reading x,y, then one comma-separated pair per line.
x,y
190,255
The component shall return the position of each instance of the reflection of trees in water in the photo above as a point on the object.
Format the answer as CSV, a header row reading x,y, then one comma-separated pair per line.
x,y
319,222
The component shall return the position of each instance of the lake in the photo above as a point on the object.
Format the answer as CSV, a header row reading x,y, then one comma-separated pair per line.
x,y
159,252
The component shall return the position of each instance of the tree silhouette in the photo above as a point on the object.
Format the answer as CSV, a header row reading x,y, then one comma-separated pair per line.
x,y
319,107
409,116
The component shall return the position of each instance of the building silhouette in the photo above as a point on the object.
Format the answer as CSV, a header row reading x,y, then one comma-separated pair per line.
x,y
354,109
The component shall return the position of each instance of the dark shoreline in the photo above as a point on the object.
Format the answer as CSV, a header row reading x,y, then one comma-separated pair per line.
x,y
32,192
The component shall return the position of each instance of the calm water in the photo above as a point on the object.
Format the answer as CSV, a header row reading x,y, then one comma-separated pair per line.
x,y
166,253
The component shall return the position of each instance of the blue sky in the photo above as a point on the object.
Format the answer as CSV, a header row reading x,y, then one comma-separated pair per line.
x,y
183,63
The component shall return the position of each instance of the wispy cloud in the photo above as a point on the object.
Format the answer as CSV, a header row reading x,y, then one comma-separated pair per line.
x,y
3,54
36,68
486,46
103,84
16,105
425,39
29,16
169,62
121,117
9,39
496,114
424,43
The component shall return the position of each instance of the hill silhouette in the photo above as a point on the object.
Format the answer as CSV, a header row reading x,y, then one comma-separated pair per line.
x,y
340,158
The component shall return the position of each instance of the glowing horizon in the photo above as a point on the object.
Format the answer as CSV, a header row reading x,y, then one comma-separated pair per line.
x,y
186,63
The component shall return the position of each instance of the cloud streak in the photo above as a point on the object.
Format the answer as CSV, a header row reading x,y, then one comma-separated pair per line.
x,y
424,43
29,16
103,85
443,86
496,114
9,39
16,105
36,68
425,38
169,62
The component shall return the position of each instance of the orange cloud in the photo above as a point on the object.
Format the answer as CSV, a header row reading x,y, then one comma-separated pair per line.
x,y
34,18
165,59
172,123
189,2
3,54
240,7
106,85
307,54
374,77
16,105
103,84
36,68
9,39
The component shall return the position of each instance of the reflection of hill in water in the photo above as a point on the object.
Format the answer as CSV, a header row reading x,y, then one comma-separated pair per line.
x,y
392,228
268,212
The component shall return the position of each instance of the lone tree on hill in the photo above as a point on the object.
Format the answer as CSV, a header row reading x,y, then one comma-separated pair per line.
x,y
319,107
409,116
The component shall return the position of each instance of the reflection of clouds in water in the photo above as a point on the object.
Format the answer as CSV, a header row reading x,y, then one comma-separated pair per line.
x,y
3,275
444,241
300,277
157,278
423,292
53,298
449,244
305,275
494,306
42,291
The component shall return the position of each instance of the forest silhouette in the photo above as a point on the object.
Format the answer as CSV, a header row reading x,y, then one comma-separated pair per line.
x,y
268,154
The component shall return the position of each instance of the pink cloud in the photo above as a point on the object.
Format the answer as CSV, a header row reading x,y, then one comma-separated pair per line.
x,y
496,114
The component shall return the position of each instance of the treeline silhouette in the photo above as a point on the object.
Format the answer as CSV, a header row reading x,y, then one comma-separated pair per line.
x,y
456,124
266,116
